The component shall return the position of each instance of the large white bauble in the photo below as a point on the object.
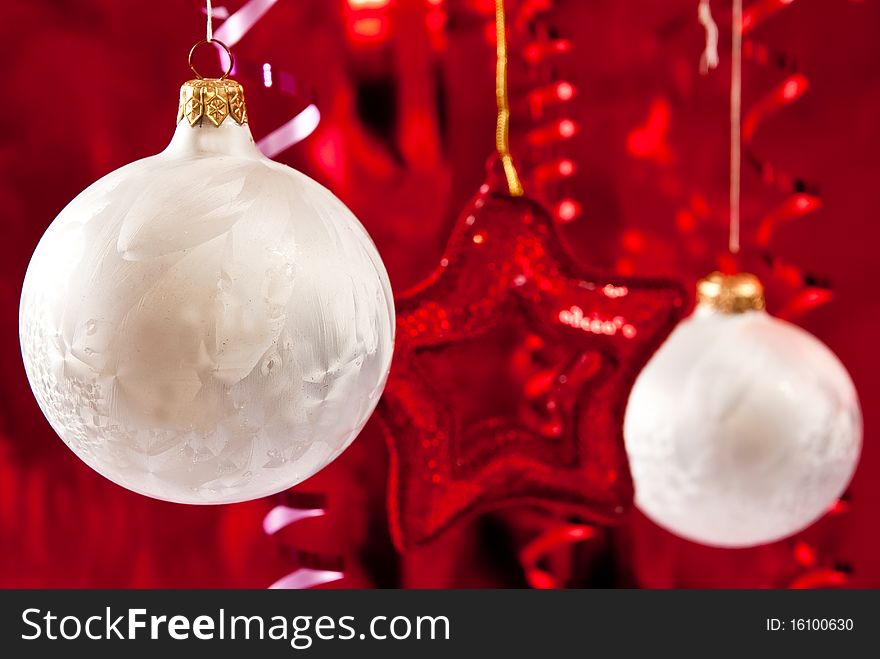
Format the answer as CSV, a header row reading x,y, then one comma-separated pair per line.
x,y
206,325
741,430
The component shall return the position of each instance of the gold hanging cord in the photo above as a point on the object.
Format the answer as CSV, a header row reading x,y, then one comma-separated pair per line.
x,y
502,128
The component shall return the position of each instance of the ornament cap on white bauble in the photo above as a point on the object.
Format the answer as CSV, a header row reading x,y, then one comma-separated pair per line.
x,y
742,429
734,293
206,325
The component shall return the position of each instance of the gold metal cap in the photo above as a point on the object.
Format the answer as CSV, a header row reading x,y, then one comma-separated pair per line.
x,y
731,293
213,99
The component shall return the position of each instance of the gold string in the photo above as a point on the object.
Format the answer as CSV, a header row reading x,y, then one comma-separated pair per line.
x,y
502,127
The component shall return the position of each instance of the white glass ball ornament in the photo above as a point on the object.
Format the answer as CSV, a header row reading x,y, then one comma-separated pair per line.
x,y
742,429
206,325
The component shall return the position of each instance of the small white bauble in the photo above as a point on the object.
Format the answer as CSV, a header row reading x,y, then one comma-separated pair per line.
x,y
206,325
742,429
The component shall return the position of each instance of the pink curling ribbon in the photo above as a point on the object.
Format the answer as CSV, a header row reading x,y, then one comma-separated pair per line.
x,y
820,578
239,24
556,538
815,574
234,28
802,198
311,569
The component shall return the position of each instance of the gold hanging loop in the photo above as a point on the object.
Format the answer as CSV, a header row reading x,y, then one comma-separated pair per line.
x,y
205,42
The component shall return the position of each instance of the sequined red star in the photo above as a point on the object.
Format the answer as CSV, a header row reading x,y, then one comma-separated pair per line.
x,y
511,375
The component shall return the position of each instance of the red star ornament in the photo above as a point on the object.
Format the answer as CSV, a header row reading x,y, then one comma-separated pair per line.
x,y
511,375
